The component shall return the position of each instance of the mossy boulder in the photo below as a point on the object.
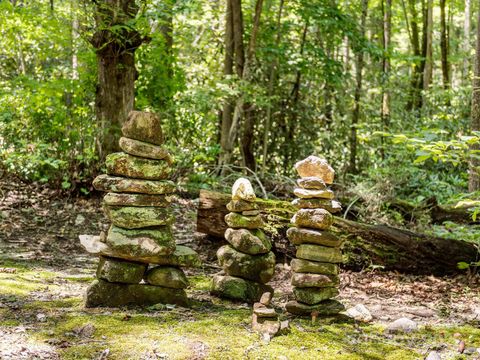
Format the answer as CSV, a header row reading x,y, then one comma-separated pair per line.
x,y
141,243
143,126
299,236
319,253
324,308
105,294
236,288
145,150
119,199
259,268
332,206
121,271
306,266
314,280
314,295
238,221
241,205
130,166
123,185
313,218
167,276
133,217
251,242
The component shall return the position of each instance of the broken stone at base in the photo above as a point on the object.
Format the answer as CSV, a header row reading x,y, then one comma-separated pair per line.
x,y
105,294
236,288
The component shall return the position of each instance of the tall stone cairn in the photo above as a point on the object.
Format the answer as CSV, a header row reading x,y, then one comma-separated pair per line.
x,y
138,205
247,261
315,269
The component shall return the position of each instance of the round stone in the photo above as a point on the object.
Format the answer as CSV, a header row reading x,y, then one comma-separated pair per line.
x,y
237,221
313,218
236,288
251,242
167,276
120,271
242,190
313,166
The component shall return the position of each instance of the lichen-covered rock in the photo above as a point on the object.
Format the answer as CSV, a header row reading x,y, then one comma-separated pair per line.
x,y
332,206
312,183
314,166
325,308
237,221
242,190
306,266
143,126
133,217
319,253
251,242
119,199
106,294
183,256
236,288
313,194
145,150
299,236
313,218
120,271
123,185
314,280
314,295
167,276
140,243
241,205
130,166
258,268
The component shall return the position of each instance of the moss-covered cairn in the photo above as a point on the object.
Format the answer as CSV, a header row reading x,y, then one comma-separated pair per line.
x,y
315,270
138,205
247,262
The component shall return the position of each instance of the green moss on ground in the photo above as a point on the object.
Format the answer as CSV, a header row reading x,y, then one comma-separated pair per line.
x,y
218,330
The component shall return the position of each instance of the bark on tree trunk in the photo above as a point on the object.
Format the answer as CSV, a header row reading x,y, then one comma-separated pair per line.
x,y
393,248
115,51
466,41
387,26
415,98
428,72
352,168
444,46
474,168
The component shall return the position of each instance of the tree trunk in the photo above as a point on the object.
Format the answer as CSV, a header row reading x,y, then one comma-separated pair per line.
x,y
387,26
444,46
352,168
466,40
395,249
415,98
115,51
474,166
428,71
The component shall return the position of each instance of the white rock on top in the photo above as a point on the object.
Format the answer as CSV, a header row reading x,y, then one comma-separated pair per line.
x,y
317,167
242,190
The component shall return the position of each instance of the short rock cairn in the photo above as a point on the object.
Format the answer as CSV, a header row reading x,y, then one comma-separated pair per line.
x,y
247,262
138,205
315,270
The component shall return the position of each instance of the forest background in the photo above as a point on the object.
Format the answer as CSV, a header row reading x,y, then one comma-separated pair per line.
x,y
381,88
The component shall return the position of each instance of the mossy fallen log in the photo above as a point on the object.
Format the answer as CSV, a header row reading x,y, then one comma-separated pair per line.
x,y
365,245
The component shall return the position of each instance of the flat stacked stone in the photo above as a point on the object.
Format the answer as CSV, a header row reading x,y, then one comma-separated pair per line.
x,y
247,261
315,269
138,205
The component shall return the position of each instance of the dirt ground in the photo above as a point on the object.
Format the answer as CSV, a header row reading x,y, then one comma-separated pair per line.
x,y
39,225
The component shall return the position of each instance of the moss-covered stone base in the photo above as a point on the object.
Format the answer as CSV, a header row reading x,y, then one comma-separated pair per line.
x,y
313,295
120,271
236,288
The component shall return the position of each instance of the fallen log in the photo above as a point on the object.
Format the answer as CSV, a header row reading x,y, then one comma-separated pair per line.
x,y
365,245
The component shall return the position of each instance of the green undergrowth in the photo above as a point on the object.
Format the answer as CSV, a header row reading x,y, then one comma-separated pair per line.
x,y
212,329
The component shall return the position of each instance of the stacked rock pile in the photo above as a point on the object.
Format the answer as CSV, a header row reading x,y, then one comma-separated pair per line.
x,y
138,205
265,319
247,262
315,269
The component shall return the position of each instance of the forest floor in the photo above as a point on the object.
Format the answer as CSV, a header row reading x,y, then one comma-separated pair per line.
x,y
44,273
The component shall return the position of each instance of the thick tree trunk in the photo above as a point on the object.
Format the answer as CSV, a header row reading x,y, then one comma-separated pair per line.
x,y
395,249
474,168
466,41
415,98
352,167
116,68
428,72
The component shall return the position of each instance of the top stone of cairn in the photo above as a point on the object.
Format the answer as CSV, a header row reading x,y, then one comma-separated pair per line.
x,y
313,166
143,126
242,190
